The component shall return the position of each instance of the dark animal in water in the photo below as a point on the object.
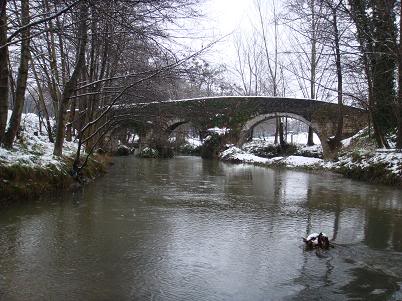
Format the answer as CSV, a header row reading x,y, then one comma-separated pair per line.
x,y
317,240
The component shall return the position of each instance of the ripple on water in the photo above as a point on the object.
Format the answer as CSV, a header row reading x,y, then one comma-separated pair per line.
x,y
187,229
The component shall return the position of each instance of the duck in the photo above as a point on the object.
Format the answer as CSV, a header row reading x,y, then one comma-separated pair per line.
x,y
317,240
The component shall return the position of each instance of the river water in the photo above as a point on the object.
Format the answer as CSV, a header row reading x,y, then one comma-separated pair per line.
x,y
190,229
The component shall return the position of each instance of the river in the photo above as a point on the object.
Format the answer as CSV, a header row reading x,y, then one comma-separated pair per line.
x,y
191,229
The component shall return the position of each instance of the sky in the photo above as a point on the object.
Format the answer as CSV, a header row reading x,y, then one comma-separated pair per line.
x,y
229,17
221,18
231,20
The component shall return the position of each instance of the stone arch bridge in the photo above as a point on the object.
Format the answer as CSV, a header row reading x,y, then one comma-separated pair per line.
x,y
156,120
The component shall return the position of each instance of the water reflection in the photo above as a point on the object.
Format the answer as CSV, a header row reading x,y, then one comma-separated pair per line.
x,y
191,229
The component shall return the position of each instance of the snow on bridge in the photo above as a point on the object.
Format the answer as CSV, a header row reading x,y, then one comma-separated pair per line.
x,y
242,113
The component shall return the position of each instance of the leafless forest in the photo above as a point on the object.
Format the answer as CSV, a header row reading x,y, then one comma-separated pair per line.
x,y
75,60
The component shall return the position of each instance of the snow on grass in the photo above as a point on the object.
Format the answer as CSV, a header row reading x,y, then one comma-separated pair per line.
x,y
196,142
391,160
219,131
33,148
348,141
234,154
269,149
384,162
299,161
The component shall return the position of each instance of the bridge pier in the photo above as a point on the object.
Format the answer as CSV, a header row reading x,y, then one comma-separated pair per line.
x,y
158,140
244,137
328,151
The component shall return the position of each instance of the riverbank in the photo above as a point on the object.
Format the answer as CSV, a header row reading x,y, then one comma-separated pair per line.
x,y
19,183
374,166
29,169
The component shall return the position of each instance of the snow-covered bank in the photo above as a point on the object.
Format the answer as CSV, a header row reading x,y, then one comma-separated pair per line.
x,y
268,149
374,166
29,169
32,147
379,166
236,155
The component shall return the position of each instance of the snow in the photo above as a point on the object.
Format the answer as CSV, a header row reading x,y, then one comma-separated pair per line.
x,y
299,161
348,141
256,146
31,150
391,161
196,142
217,98
312,235
236,154
191,141
219,131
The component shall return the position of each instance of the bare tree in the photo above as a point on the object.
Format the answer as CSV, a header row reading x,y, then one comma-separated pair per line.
x,y
376,34
399,99
4,72
71,83
272,62
309,20
22,77
334,8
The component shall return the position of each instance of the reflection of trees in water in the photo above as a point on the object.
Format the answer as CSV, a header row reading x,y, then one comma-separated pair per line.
x,y
371,284
397,232
244,180
378,228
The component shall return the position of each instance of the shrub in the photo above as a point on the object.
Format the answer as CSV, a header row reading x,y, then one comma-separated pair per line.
x,y
123,150
189,149
148,152
273,150
212,146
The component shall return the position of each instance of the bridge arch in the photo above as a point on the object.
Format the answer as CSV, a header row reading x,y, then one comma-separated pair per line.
x,y
247,129
249,125
182,129
172,124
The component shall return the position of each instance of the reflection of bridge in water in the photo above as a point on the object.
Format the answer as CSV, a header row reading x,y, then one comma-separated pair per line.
x,y
241,114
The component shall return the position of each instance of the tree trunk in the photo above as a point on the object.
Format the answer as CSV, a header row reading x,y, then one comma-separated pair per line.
x,y
313,65
376,35
15,119
281,140
70,121
54,78
70,85
4,71
276,130
42,104
399,100
339,129
310,139
384,64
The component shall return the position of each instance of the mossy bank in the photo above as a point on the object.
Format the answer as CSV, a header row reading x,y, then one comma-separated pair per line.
x,y
20,183
379,167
